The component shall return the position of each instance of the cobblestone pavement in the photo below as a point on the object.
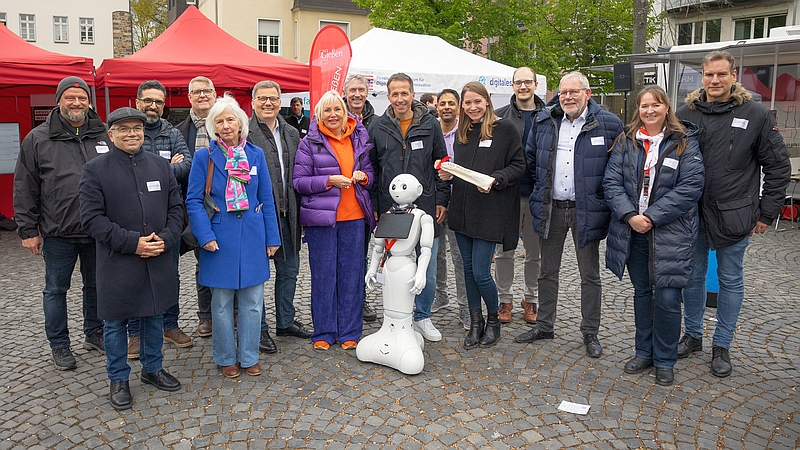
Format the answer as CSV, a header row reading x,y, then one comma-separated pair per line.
x,y
502,397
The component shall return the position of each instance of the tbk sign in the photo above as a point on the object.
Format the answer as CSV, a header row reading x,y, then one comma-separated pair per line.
x,y
330,61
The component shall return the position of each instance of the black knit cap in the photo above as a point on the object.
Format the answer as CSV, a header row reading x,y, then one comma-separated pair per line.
x,y
71,82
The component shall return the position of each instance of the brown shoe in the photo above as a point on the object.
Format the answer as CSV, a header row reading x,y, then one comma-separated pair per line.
x,y
254,370
178,337
531,311
133,347
231,371
504,313
204,328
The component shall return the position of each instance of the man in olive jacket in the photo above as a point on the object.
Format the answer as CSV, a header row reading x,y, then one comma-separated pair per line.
x,y
131,205
739,140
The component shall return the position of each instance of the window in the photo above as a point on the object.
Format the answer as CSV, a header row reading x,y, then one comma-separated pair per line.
x,y
343,25
60,29
699,32
756,27
3,19
27,27
87,30
269,36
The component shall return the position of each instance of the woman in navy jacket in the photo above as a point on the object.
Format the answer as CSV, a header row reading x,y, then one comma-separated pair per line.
x,y
238,240
652,183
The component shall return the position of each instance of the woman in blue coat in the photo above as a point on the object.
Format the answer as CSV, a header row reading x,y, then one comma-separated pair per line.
x,y
238,239
652,183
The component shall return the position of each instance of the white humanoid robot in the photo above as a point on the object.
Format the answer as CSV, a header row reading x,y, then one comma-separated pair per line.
x,y
397,344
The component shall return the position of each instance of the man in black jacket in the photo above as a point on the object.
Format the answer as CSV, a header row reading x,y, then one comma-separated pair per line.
x,y
279,141
739,140
298,119
47,211
522,108
201,96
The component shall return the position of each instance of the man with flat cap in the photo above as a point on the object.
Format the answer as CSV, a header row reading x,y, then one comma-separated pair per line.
x,y
131,205
46,210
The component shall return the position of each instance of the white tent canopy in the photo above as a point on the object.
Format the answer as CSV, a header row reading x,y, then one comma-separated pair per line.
x,y
430,61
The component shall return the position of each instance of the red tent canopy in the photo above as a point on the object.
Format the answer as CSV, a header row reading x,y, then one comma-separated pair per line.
x,y
22,63
194,45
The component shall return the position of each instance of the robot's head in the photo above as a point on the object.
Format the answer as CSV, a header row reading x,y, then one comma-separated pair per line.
x,y
405,188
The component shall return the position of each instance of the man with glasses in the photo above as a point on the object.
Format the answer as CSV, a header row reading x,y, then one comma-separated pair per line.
x,y
131,203
520,111
161,138
202,97
567,151
279,141
46,209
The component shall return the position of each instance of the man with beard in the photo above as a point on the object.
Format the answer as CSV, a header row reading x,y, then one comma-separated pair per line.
x,y
47,211
161,138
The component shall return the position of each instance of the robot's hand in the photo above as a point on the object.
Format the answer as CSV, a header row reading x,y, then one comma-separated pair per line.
x,y
419,281
370,280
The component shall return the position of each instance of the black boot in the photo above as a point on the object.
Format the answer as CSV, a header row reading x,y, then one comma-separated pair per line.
x,y
492,333
475,333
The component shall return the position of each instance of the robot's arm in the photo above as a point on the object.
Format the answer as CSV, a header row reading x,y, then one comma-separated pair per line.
x,y
425,243
377,256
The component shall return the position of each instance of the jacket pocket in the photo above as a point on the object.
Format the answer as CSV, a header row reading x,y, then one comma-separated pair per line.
x,y
736,216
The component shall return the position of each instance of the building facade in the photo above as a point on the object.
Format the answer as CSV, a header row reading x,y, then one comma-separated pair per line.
x,y
284,28
72,27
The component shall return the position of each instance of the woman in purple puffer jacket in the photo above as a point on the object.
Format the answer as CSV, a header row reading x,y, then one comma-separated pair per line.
x,y
333,174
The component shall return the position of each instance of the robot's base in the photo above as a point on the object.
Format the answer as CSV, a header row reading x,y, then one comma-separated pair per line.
x,y
396,345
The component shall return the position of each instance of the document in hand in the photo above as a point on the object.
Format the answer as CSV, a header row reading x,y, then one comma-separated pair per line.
x,y
470,176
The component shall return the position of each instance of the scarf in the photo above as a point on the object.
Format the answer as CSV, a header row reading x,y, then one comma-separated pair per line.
x,y
651,144
201,138
238,175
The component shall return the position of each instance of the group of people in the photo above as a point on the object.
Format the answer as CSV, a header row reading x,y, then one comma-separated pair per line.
x,y
664,190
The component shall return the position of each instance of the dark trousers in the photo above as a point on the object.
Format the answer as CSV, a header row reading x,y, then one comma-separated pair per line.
x,y
337,280
172,313
286,270
60,256
658,324
203,292
476,255
552,248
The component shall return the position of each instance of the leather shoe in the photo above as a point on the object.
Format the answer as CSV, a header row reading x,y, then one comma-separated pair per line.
x,y
664,376
638,365
593,347
531,312
720,362
120,395
688,345
204,328
504,313
534,335
266,344
254,370
161,380
231,371
296,329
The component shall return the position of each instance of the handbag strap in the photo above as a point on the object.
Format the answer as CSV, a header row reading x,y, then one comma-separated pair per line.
x,y
210,173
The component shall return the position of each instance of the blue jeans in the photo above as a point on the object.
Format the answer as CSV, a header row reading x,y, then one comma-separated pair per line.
x,y
424,300
658,324
248,333
286,270
172,313
476,254
60,256
116,342
731,290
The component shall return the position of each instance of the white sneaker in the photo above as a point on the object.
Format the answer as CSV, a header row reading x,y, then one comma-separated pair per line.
x,y
427,330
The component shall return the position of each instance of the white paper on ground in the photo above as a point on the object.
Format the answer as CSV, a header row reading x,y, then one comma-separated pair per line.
x,y
575,408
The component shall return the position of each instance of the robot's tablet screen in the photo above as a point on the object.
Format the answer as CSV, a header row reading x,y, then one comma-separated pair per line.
x,y
394,226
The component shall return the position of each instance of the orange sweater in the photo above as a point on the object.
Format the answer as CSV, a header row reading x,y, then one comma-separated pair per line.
x,y
343,150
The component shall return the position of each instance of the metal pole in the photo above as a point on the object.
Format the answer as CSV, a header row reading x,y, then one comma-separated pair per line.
x,y
108,103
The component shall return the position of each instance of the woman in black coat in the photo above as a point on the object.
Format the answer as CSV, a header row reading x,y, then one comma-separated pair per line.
x,y
482,218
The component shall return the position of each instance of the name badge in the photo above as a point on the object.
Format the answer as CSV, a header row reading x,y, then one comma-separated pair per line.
x,y
740,123
598,140
303,131
153,186
670,162
101,148
486,143
165,154
380,278
254,171
416,145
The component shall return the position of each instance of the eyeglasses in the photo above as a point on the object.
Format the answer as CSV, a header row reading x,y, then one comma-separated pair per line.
x,y
202,92
571,92
263,99
125,130
150,101
72,98
527,83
